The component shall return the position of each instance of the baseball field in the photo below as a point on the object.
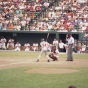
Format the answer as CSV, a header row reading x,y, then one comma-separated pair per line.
x,y
20,70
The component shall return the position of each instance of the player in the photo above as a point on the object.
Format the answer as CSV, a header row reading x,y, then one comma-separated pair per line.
x,y
3,42
10,43
17,46
27,46
54,53
44,48
35,46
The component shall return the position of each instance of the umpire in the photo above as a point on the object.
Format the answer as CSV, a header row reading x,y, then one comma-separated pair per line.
x,y
70,41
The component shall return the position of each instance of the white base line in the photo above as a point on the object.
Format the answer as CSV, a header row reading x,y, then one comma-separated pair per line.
x,y
24,63
14,63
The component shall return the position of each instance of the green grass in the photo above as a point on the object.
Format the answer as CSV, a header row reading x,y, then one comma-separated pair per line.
x,y
17,78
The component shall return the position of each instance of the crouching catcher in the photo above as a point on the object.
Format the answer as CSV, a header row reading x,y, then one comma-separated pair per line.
x,y
54,54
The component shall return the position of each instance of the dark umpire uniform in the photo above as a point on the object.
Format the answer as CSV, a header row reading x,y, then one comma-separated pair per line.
x,y
70,40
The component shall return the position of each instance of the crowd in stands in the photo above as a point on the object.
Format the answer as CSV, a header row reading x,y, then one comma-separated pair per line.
x,y
18,14
66,15
79,47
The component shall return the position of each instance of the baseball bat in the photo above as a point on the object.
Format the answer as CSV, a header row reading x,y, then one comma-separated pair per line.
x,y
47,36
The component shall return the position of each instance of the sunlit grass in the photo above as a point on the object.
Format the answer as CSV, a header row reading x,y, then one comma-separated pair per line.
x,y
35,54
18,78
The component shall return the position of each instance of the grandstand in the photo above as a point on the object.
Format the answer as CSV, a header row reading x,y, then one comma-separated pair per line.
x,y
28,19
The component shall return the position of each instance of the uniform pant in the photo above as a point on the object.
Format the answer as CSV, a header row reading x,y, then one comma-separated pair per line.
x,y
45,52
69,53
35,48
17,49
27,49
2,46
10,44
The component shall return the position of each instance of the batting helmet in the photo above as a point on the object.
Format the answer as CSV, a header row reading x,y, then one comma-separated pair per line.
x,y
42,39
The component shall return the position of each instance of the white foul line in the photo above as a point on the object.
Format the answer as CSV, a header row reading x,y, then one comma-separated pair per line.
x,y
14,63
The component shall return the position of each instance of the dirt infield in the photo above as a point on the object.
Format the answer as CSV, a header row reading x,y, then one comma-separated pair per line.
x,y
51,71
53,67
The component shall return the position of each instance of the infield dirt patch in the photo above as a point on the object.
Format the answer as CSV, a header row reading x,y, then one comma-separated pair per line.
x,y
50,71
43,67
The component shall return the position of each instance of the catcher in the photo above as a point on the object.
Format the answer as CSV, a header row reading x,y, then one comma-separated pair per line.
x,y
54,54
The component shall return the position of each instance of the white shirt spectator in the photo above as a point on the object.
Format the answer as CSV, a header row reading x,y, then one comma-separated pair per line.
x,y
21,6
83,28
49,27
82,1
61,45
23,22
46,4
55,43
58,8
18,27
74,30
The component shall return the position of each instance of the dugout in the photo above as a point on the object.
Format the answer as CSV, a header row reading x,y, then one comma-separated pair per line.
x,y
31,36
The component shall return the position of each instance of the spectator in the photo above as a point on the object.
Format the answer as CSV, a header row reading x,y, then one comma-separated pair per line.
x,y
61,46
46,4
18,27
55,28
83,50
0,25
10,26
87,29
23,24
55,43
4,26
73,30
75,46
86,37
79,47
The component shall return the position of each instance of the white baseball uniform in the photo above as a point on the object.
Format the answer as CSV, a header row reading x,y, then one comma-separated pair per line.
x,y
17,45
44,48
35,46
27,45
10,43
3,43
